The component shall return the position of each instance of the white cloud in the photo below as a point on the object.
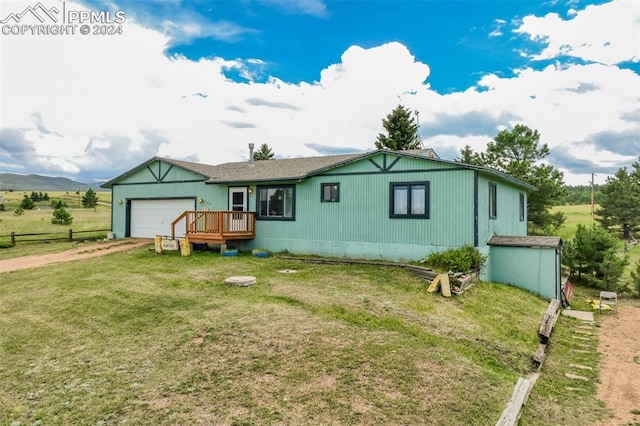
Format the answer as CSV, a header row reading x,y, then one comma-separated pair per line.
x,y
98,105
607,33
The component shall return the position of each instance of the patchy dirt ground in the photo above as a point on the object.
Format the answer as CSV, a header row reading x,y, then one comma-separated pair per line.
x,y
83,252
619,337
619,344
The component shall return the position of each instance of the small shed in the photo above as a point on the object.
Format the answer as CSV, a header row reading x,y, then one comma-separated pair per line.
x,y
529,262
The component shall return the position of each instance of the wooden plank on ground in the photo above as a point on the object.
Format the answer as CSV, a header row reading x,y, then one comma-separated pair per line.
x,y
434,285
548,320
513,410
444,283
538,357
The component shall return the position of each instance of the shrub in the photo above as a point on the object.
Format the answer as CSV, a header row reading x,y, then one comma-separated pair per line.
x,y
463,259
3,208
61,217
19,211
635,278
592,256
57,204
27,203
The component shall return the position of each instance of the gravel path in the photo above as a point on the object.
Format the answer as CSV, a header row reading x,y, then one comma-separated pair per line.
x,y
83,252
619,345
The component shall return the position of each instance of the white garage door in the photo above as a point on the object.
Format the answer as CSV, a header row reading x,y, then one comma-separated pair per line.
x,y
153,217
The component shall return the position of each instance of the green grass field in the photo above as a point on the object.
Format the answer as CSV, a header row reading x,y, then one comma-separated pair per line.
x,y
39,220
142,338
576,215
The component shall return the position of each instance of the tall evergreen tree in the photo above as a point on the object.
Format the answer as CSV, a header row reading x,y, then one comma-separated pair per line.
x,y
518,153
402,131
263,153
89,199
467,156
620,202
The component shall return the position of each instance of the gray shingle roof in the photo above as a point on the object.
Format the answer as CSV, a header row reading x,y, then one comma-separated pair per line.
x,y
525,241
282,169
291,168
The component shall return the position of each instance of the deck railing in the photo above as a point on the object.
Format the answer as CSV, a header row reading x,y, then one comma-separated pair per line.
x,y
217,224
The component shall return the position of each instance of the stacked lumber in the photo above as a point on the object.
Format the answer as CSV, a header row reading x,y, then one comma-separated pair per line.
x,y
452,284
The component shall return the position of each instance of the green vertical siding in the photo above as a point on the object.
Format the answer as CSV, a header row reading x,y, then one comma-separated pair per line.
x,y
160,180
359,225
507,221
534,269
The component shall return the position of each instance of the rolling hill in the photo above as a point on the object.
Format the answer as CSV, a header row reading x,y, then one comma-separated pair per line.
x,y
15,182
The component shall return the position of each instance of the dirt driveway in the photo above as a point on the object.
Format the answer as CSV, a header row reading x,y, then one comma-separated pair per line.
x,y
619,345
619,336
84,252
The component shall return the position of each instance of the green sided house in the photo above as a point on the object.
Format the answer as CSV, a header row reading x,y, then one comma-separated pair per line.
x,y
395,205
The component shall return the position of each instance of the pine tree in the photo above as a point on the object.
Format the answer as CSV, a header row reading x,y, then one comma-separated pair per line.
x,y
620,202
89,199
263,153
402,131
592,254
61,217
27,203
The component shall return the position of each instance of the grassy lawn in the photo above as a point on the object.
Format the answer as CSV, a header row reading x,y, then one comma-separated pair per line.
x,y
159,339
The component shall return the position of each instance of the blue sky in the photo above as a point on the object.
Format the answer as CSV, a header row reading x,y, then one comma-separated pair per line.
x,y
200,80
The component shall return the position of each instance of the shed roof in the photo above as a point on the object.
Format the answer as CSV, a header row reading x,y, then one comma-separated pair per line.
x,y
525,241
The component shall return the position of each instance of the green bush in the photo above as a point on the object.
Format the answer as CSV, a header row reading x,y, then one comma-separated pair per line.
x,y
463,259
61,217
27,203
635,278
592,257
57,204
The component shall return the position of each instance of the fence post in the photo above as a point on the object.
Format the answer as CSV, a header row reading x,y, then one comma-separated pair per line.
x,y
70,235
13,238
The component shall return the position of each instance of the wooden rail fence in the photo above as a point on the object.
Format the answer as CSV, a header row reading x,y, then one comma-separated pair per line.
x,y
69,235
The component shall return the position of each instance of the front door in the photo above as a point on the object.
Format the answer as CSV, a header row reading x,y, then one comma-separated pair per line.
x,y
238,203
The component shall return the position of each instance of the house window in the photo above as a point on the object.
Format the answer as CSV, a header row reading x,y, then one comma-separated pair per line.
x,y
330,192
522,207
409,200
493,201
276,202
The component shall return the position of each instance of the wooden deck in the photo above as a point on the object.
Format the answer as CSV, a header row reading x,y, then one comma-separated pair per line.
x,y
216,227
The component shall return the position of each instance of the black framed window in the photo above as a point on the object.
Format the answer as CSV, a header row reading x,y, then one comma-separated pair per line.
x,y
409,200
522,207
493,201
330,192
276,202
